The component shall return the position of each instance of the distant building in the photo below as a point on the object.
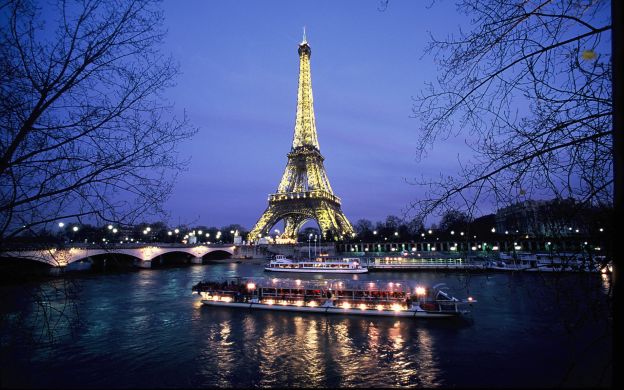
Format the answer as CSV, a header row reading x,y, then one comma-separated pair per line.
x,y
557,217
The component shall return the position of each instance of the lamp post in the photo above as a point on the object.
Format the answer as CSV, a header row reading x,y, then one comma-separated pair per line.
x,y
315,245
61,226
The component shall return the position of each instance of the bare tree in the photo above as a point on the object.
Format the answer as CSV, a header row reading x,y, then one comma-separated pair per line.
x,y
85,129
454,220
530,86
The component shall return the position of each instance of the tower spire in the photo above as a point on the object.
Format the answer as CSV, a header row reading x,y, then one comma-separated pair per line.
x,y
305,123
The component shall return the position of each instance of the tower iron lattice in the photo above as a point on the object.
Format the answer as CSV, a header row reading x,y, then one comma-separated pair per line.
x,y
304,191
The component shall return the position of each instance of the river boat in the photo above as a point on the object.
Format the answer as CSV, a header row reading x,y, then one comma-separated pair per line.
x,y
547,262
332,296
321,265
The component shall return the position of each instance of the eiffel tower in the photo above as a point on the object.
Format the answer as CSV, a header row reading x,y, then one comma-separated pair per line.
x,y
304,192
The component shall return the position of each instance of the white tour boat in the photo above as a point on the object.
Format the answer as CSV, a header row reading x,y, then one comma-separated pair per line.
x,y
373,298
335,266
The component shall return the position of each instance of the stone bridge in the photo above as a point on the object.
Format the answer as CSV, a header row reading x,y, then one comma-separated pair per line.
x,y
61,257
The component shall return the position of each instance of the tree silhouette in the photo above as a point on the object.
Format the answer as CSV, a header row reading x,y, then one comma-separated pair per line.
x,y
530,87
85,131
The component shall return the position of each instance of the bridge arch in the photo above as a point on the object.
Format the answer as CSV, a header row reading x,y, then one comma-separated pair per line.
x,y
63,257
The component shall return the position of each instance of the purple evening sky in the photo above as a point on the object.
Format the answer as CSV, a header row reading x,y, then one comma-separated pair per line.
x,y
239,66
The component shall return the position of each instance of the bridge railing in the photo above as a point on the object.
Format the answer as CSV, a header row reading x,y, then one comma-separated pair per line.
x,y
79,245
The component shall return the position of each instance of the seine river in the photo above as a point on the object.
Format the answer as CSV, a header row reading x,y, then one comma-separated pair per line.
x,y
145,329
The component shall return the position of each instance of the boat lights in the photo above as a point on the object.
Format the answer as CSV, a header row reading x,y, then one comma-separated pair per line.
x,y
251,286
283,302
469,299
312,304
297,282
362,306
270,302
226,299
380,307
299,303
396,307
346,305
215,298
420,291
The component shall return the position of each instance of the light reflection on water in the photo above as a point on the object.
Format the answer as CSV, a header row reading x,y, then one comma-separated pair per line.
x,y
317,351
149,330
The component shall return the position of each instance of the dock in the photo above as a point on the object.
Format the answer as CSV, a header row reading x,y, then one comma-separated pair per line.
x,y
411,263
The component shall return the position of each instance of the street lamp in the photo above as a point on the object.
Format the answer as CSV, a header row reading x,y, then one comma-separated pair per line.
x,y
61,224
75,228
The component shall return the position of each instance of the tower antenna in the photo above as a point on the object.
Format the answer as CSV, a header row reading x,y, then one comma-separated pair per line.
x,y
304,36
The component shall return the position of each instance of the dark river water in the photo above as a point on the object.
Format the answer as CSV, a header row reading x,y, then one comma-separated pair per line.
x,y
145,329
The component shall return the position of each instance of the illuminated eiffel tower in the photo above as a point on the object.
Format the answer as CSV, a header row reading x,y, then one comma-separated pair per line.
x,y
304,192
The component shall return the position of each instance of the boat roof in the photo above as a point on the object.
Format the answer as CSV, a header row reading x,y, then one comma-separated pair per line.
x,y
288,261
282,261
339,284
